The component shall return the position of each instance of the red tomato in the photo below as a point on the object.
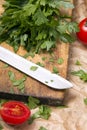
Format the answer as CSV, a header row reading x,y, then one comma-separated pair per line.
x,y
15,112
82,34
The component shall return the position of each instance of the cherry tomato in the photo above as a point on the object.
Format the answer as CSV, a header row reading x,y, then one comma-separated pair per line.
x,y
82,34
15,112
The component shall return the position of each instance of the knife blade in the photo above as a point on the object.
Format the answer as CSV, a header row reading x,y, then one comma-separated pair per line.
x,y
41,74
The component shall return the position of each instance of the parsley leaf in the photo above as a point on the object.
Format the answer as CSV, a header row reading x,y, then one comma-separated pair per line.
x,y
19,83
40,64
60,61
42,128
1,127
39,17
55,70
33,102
33,68
43,112
81,74
11,75
85,101
78,62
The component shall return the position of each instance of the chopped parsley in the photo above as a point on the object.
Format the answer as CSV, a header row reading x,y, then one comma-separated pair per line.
x,y
78,62
19,83
1,127
55,70
40,64
81,74
33,68
42,128
85,101
33,102
60,61
43,112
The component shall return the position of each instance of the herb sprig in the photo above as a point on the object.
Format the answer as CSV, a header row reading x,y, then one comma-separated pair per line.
x,y
19,83
81,74
43,112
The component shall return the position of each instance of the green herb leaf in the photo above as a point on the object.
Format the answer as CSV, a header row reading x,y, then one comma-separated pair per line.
x,y
1,127
66,38
42,128
40,64
55,70
60,61
19,81
29,54
60,3
47,45
11,75
39,17
2,101
33,102
72,27
78,62
43,112
81,74
85,101
33,68
44,58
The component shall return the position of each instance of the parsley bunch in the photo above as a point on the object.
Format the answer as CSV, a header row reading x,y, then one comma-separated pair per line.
x,y
36,24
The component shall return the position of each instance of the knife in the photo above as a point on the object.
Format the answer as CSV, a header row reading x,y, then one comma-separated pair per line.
x,y
39,73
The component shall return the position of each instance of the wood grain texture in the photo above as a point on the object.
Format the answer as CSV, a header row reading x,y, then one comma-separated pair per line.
x,y
33,87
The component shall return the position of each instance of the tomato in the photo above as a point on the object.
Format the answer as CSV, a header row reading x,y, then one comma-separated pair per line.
x,y
82,34
14,112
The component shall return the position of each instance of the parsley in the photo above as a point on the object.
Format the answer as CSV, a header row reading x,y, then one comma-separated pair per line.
x,y
29,54
40,64
2,101
81,74
60,61
1,127
55,70
36,24
43,112
78,62
33,68
33,102
19,83
85,101
46,82
44,58
42,128
52,80
11,76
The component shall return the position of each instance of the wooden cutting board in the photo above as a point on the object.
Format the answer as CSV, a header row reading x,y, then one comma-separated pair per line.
x,y
33,87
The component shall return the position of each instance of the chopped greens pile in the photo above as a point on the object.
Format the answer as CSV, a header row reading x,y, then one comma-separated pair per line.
x,y
36,24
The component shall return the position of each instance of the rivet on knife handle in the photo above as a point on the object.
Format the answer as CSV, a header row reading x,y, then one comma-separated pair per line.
x,y
41,74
